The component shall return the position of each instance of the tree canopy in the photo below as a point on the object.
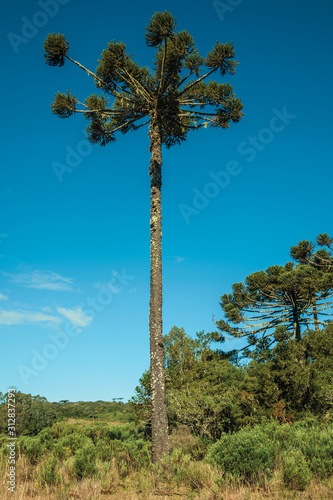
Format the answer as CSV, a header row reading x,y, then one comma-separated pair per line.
x,y
176,90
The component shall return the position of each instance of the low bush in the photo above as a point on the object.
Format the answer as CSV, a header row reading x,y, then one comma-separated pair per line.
x,y
85,461
72,442
32,447
296,471
48,473
182,438
302,450
246,455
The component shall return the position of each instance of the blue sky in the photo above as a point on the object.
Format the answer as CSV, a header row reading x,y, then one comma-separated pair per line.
x,y
75,248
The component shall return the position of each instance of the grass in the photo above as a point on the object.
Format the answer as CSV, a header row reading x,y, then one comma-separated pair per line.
x,y
101,461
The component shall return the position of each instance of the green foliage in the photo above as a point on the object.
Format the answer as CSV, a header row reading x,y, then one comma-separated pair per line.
x,y
55,49
181,352
303,450
321,259
182,439
161,26
85,461
211,395
110,64
49,473
71,443
96,104
204,407
221,57
35,413
248,455
296,452
32,414
64,105
131,455
296,471
316,443
289,296
167,99
297,374
32,447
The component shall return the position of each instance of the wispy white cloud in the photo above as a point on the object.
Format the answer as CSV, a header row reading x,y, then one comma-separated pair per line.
x,y
42,280
179,259
47,309
3,297
75,316
19,317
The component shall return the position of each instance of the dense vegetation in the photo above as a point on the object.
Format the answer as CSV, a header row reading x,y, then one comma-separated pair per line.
x,y
214,394
265,424
255,421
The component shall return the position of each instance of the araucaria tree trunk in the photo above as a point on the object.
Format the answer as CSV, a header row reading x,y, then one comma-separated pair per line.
x,y
160,444
297,327
315,316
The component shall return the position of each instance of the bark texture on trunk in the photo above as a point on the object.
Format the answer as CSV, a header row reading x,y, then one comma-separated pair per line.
x,y
296,318
160,439
315,316
297,328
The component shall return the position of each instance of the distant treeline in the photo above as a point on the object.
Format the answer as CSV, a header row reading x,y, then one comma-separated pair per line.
x,y
34,413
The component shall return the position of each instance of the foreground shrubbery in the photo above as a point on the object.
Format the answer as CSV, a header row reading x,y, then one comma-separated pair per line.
x,y
81,449
270,455
302,451
266,424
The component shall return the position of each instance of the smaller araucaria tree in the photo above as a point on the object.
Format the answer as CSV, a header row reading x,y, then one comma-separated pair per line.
x,y
280,296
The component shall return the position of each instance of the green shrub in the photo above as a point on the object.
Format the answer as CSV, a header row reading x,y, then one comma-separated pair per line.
x,y
46,437
296,472
85,461
304,449
48,474
317,446
104,451
32,448
61,452
182,438
107,433
131,456
245,455
125,432
73,442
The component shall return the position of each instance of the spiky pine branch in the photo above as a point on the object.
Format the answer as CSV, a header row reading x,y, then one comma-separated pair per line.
x,y
321,259
169,94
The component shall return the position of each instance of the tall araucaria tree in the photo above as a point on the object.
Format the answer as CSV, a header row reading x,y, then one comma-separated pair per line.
x,y
172,101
